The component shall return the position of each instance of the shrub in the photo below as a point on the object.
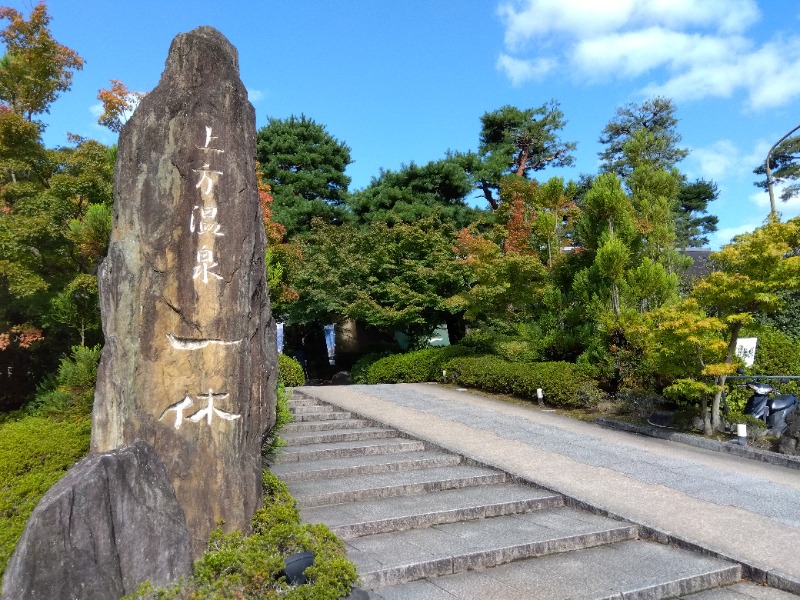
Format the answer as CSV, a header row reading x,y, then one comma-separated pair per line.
x,y
290,372
522,342
562,383
239,566
283,416
72,389
35,452
359,373
776,353
413,367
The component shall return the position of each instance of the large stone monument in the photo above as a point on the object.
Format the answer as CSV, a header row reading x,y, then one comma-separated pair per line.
x,y
189,362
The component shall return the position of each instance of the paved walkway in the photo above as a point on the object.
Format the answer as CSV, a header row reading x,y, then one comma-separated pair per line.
x,y
741,509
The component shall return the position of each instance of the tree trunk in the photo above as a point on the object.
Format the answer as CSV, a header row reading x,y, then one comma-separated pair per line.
x,y
715,420
487,193
456,327
615,304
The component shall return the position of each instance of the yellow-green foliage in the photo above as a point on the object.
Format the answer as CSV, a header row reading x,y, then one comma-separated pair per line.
x,y
239,566
290,373
35,452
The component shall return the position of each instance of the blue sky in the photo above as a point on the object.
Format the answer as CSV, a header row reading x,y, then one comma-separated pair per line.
x,y
406,80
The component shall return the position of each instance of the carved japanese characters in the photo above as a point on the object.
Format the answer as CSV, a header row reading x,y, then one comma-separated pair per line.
x,y
189,361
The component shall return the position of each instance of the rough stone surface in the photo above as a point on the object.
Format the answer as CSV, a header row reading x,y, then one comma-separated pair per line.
x,y
189,363
790,440
110,524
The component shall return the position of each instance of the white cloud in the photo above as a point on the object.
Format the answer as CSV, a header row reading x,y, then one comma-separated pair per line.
x,y
520,71
255,95
716,162
96,110
691,49
530,19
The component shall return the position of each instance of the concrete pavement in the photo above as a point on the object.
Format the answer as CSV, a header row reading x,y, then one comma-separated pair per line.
x,y
733,507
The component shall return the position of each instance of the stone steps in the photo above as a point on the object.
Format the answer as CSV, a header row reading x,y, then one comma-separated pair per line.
x,y
322,416
403,556
338,435
363,465
356,488
435,508
324,425
420,523
621,571
323,451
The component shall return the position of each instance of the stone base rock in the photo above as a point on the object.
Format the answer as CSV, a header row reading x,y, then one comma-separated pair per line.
x,y
110,524
790,440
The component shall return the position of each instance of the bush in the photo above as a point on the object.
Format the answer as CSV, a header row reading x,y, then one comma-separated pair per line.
x,y
776,353
522,342
35,452
238,566
562,383
71,391
414,367
283,416
290,372
359,373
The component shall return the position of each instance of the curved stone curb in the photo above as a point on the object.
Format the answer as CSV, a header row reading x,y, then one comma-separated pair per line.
x,y
773,458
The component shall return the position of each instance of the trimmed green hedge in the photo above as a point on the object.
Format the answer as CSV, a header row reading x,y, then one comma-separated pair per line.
x,y
562,383
413,367
359,373
35,452
290,372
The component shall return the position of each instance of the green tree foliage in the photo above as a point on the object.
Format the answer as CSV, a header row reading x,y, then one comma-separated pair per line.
x,y
519,141
750,272
393,278
305,168
417,192
657,118
35,67
691,350
621,281
53,236
785,166
24,163
539,217
508,286
693,224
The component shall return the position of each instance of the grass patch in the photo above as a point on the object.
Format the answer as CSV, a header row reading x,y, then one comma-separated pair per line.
x,y
35,452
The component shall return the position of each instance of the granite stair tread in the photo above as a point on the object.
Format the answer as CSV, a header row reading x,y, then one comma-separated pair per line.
x,y
324,425
349,520
380,485
327,450
379,463
337,435
403,556
626,570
